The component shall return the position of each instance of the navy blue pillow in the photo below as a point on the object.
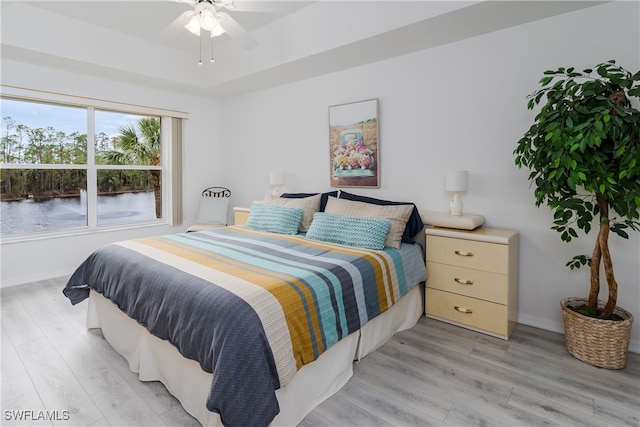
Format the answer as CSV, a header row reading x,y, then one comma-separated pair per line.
x,y
323,198
414,224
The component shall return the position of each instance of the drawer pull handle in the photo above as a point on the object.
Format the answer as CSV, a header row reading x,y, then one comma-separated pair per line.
x,y
463,253
463,281
463,310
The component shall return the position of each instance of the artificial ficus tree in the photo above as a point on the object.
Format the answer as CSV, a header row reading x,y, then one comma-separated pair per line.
x,y
583,151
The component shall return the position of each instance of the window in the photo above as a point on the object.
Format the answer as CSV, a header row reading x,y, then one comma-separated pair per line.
x,y
69,167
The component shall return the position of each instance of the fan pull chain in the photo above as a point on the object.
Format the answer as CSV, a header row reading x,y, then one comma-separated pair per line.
x,y
200,51
212,60
200,44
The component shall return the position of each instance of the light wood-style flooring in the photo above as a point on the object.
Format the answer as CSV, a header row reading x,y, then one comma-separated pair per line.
x,y
434,374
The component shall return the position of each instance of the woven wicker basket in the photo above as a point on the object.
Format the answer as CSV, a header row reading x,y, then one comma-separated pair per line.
x,y
602,343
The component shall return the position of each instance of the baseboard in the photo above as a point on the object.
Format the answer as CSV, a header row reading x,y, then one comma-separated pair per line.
x,y
555,326
35,277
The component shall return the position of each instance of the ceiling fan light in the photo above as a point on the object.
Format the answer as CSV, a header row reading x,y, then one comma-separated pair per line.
x,y
207,20
194,25
217,30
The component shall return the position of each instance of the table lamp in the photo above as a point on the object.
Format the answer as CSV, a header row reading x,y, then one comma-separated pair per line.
x,y
456,182
276,179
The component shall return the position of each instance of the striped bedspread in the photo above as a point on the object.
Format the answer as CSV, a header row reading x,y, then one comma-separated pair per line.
x,y
251,307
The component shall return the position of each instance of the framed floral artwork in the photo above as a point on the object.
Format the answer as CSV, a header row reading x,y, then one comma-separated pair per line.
x,y
353,144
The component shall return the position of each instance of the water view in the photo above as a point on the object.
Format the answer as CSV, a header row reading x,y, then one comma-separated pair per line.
x,y
29,216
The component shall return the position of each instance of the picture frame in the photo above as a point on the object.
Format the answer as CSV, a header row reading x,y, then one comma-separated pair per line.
x,y
354,155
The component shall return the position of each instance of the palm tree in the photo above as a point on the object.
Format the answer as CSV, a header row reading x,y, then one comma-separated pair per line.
x,y
139,144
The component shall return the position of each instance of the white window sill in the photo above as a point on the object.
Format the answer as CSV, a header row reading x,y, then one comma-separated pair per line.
x,y
20,238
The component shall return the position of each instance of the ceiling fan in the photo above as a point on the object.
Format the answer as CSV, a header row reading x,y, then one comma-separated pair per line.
x,y
211,16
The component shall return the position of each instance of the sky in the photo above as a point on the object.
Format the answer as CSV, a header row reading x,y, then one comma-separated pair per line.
x,y
62,118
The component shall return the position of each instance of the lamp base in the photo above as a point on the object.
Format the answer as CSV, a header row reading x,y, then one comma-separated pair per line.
x,y
455,207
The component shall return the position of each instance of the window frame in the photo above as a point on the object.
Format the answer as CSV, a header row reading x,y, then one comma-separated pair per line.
x,y
171,165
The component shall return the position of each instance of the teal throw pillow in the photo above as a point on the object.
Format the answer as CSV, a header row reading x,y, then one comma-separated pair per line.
x,y
361,232
274,219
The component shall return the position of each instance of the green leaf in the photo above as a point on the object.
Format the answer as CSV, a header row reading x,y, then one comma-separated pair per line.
x,y
602,71
598,125
621,233
545,81
569,123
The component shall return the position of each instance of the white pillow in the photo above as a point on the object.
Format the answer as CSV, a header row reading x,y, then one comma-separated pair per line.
x,y
310,205
213,210
397,214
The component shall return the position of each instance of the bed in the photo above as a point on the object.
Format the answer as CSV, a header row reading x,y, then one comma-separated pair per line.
x,y
257,324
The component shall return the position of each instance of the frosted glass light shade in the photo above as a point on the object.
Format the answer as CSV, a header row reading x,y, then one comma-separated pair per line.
x,y
456,181
207,20
217,30
194,25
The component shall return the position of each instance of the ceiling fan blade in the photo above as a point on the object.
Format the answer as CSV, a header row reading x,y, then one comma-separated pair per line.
x,y
236,32
264,6
191,3
178,24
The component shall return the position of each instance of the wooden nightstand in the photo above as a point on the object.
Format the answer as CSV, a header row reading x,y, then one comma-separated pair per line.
x,y
473,278
240,215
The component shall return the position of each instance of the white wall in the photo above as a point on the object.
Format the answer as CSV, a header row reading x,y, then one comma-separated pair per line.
x,y
46,258
457,106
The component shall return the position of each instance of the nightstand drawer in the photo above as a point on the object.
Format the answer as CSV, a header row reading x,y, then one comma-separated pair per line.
x,y
475,313
469,282
469,254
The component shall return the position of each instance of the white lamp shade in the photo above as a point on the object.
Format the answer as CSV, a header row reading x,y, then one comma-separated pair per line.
x,y
207,20
217,30
194,25
456,181
276,178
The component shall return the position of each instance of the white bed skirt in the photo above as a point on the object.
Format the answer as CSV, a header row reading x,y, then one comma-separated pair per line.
x,y
154,359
